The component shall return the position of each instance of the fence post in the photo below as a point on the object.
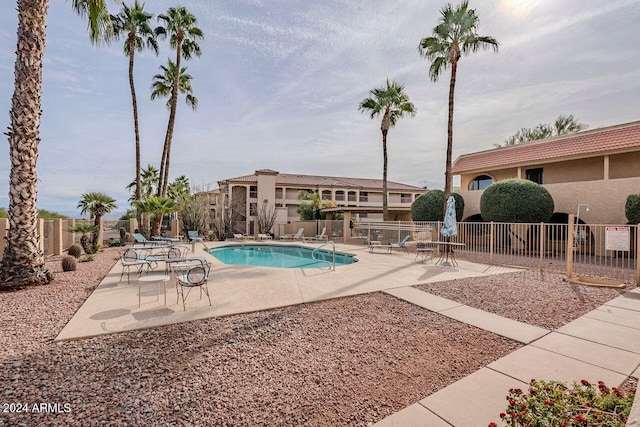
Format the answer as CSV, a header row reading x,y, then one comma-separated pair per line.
x,y
492,230
637,253
570,231
542,240
40,234
56,236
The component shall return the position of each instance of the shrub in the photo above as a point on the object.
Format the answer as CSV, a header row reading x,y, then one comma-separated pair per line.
x,y
632,209
69,263
516,200
554,404
430,206
75,250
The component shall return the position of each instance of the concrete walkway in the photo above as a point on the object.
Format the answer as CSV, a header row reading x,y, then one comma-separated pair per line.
x,y
113,305
602,345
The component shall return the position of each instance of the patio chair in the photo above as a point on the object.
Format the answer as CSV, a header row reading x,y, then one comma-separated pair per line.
x,y
132,259
196,277
298,236
423,250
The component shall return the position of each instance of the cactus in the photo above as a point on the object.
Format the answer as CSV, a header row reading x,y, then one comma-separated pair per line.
x,y
69,263
75,250
123,236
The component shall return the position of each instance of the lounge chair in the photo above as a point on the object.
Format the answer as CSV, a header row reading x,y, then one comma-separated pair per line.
x,y
298,236
193,236
401,245
262,236
241,237
322,237
140,239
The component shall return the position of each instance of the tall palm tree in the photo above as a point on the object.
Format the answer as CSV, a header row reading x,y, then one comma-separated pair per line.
x,y
98,205
148,183
134,22
180,26
392,103
455,34
163,86
23,261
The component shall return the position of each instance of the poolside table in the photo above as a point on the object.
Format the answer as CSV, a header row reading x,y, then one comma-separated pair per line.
x,y
153,278
447,252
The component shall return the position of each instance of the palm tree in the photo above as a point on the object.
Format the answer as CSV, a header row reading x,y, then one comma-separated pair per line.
x,y
180,26
157,207
97,204
148,182
134,22
392,103
455,34
163,86
22,260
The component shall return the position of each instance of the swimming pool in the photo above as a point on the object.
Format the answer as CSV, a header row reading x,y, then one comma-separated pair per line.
x,y
278,256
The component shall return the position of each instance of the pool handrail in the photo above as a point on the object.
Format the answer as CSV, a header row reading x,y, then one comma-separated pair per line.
x,y
331,266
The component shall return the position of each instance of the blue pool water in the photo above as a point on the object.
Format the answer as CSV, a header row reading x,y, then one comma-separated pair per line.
x,y
278,256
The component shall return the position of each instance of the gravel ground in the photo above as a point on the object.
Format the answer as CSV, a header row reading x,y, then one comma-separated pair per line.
x,y
540,299
350,361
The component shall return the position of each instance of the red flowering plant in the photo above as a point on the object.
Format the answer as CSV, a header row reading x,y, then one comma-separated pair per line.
x,y
556,405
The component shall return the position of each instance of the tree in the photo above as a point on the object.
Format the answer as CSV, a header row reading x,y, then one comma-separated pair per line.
x,y
455,35
134,22
157,207
23,261
428,207
180,26
516,200
180,189
98,205
564,125
148,181
392,103
310,211
632,209
163,86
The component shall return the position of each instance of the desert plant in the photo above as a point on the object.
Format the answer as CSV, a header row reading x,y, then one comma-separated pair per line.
x,y
516,200
123,236
195,213
69,263
267,215
87,258
632,209
86,230
75,250
97,204
428,207
553,403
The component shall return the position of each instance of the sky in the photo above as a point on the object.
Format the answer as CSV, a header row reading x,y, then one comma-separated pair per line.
x,y
279,83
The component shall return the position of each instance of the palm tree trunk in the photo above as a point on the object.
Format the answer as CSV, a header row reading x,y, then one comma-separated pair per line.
x,y
23,261
385,201
447,173
166,155
136,127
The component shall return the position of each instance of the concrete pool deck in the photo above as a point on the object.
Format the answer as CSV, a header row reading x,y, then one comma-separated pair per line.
x,y
113,305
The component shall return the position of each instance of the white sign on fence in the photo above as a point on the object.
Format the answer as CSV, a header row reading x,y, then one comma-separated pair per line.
x,y
617,238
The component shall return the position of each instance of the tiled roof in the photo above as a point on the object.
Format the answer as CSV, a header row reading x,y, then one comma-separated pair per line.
x,y
312,181
619,138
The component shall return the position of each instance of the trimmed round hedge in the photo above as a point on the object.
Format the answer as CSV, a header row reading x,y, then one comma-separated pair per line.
x,y
430,206
516,200
632,209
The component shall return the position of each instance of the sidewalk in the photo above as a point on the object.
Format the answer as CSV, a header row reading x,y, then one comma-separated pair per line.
x,y
602,345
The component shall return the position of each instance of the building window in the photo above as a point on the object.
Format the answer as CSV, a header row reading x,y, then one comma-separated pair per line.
x,y
405,198
339,196
480,182
253,192
326,194
534,175
279,193
253,209
353,196
364,196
